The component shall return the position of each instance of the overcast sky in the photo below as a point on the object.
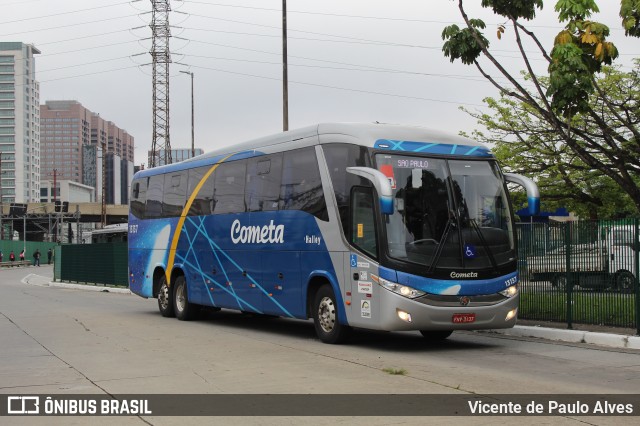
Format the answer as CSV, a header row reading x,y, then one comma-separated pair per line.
x,y
349,60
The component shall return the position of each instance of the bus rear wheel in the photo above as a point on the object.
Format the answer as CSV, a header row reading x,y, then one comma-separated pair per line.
x,y
184,310
436,335
325,317
165,299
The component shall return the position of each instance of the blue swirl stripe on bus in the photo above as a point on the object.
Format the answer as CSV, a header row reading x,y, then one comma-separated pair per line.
x,y
255,282
433,148
205,276
214,251
215,248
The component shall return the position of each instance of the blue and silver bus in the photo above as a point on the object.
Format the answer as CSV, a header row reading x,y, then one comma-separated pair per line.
x,y
371,226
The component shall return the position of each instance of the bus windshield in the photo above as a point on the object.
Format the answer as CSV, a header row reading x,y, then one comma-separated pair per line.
x,y
448,213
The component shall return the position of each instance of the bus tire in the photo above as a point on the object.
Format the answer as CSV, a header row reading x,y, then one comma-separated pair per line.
x,y
184,310
436,335
325,317
165,299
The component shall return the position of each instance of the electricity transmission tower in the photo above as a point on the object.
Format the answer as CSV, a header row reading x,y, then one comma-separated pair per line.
x,y
160,145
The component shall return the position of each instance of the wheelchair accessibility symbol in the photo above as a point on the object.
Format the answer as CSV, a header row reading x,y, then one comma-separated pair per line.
x,y
470,251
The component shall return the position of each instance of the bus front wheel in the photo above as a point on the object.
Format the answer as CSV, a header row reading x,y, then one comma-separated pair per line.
x,y
165,302
325,317
184,310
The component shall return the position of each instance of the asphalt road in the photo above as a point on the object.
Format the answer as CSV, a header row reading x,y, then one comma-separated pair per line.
x,y
56,340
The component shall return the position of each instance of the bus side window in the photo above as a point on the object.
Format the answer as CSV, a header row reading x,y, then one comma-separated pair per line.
x,y
155,191
139,197
263,183
363,229
301,183
175,188
203,202
228,194
340,156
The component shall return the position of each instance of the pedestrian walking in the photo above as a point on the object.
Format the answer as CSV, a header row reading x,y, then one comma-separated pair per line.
x,y
36,257
49,256
12,256
22,255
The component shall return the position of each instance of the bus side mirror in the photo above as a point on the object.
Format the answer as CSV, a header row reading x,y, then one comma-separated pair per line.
x,y
380,183
533,194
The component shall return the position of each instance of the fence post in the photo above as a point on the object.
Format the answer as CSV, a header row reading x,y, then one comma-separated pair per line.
x,y
635,275
569,275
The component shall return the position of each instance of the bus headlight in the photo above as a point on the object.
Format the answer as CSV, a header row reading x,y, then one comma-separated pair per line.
x,y
400,289
510,291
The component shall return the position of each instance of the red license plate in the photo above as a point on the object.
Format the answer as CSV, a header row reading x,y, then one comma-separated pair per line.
x,y
463,318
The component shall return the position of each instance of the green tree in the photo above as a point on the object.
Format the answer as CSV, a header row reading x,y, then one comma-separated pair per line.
x,y
525,142
568,114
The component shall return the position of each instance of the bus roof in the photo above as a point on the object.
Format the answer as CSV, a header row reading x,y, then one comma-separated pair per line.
x,y
366,134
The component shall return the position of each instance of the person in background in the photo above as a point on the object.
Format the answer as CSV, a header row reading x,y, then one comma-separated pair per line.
x,y
12,256
36,257
49,256
22,255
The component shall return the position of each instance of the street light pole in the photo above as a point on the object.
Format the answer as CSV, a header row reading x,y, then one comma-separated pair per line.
x,y
193,149
285,70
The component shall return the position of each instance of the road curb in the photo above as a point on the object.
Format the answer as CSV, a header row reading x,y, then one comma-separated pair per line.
x,y
574,336
89,287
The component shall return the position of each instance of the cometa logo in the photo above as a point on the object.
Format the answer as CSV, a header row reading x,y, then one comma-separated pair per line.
x,y
464,275
257,234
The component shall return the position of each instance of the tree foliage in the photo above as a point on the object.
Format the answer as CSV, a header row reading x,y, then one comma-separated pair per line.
x,y
574,114
524,142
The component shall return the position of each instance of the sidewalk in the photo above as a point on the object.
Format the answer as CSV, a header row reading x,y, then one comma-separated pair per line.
x,y
622,338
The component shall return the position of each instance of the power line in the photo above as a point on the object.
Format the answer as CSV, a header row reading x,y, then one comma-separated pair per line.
x,y
67,13
70,25
337,87
83,64
365,68
380,18
82,75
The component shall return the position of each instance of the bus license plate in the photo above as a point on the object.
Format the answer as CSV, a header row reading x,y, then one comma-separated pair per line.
x,y
463,318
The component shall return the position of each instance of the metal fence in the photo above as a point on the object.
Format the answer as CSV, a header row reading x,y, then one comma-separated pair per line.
x,y
101,263
580,272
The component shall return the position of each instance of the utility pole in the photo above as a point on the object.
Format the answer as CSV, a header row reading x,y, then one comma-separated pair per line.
x,y
54,191
285,71
193,148
103,216
161,56
1,202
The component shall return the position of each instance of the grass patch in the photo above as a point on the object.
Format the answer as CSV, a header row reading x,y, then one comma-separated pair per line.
x,y
588,307
395,371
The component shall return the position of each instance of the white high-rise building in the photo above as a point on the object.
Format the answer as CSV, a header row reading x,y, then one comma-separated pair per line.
x,y
19,124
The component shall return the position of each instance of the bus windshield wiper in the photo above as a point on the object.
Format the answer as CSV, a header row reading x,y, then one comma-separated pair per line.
x,y
445,235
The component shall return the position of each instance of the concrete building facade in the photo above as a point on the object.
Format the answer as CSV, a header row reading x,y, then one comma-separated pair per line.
x,y
70,191
19,124
73,140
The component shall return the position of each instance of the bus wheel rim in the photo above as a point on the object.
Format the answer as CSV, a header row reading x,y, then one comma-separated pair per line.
x,y
327,314
180,298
